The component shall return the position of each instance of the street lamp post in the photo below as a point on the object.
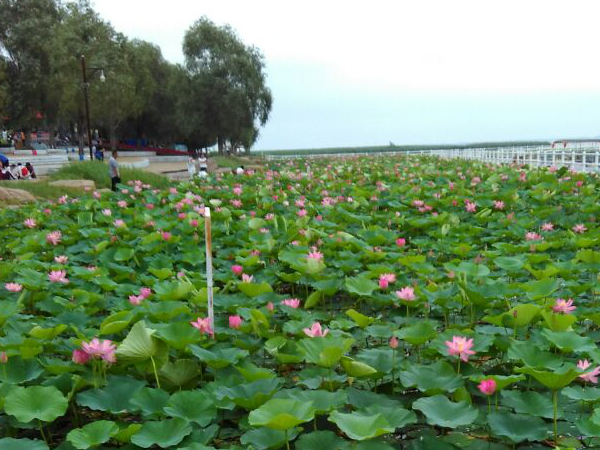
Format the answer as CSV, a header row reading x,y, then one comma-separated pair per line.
x,y
85,94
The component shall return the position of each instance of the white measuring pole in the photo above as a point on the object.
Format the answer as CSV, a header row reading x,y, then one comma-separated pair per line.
x,y
209,275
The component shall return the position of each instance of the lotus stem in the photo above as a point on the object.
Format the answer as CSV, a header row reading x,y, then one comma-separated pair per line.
x,y
393,370
555,411
287,442
155,373
41,428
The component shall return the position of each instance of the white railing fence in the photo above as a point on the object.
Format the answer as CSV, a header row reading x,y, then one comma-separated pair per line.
x,y
578,159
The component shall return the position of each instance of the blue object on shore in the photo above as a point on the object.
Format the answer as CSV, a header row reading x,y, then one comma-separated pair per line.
x,y
4,159
80,157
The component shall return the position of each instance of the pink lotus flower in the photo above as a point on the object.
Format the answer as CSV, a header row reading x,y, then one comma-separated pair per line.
x,y
270,306
173,190
400,242
58,276
548,226
533,236
135,299
61,259
29,223
80,357
564,306
104,349
119,223
291,302
96,194
498,204
202,325
406,293
315,331
235,322
470,207
181,216
237,190
107,212
301,213
385,280
487,387
54,237
13,287
580,228
393,342
166,235
150,206
247,278
237,269
122,204
194,223
460,346
145,292
3,358
591,377
317,256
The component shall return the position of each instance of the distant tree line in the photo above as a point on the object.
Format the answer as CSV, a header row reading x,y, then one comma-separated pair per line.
x,y
218,96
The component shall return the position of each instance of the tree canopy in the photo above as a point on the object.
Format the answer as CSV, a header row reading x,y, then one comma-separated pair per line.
x,y
218,96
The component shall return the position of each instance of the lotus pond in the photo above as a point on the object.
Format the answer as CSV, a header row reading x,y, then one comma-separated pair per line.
x,y
363,303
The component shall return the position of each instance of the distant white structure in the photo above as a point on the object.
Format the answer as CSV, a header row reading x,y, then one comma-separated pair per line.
x,y
577,143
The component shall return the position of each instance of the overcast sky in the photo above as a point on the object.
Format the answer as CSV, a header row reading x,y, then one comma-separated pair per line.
x,y
349,73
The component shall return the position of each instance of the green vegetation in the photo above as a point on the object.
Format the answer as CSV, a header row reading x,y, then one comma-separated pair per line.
x,y
398,303
97,171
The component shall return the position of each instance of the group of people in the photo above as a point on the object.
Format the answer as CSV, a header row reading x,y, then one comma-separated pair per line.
x,y
16,171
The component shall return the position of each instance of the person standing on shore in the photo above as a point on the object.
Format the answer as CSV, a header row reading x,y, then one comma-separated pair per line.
x,y
113,170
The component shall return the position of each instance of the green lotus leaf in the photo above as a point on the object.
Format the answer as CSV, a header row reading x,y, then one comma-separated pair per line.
x,y
569,341
361,426
8,443
397,417
251,372
255,289
326,351
139,345
440,411
540,289
180,372
47,333
172,290
267,438
417,334
532,356
579,393
321,439
356,368
323,401
552,380
115,322
281,414
194,406
511,264
431,379
44,403
529,402
150,401
558,322
380,359
114,397
587,427
124,254
177,334
18,370
250,395
220,357
360,286
164,433
92,434
518,427
360,319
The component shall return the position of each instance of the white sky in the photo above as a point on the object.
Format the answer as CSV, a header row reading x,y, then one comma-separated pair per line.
x,y
421,71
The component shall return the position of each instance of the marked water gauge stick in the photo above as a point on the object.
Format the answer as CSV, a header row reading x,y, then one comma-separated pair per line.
x,y
209,275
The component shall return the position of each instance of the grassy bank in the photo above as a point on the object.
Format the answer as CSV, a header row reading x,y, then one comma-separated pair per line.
x,y
41,189
97,171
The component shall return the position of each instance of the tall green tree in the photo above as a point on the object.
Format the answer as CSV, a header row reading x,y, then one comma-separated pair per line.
x,y
227,85
26,31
